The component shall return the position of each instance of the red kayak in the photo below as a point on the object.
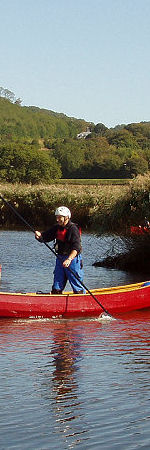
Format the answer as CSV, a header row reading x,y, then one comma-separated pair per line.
x,y
115,300
140,230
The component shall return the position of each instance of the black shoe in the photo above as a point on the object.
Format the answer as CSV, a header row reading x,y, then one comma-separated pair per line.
x,y
56,291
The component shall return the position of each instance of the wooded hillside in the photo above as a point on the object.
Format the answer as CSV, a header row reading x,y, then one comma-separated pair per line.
x,y
38,145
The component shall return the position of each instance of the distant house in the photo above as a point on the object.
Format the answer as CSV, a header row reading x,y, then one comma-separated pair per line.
x,y
84,134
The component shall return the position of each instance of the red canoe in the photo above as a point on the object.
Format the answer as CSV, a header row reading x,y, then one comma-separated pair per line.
x,y
115,300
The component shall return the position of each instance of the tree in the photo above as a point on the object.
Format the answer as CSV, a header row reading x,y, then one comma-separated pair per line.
x,y
26,164
18,101
136,165
42,168
122,138
70,155
100,129
7,94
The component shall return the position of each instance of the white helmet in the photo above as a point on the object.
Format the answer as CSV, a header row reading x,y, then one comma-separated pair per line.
x,y
63,211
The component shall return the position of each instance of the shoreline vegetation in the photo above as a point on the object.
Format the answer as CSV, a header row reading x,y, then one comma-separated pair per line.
x,y
100,205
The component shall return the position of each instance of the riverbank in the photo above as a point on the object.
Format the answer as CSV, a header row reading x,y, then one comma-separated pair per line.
x,y
102,207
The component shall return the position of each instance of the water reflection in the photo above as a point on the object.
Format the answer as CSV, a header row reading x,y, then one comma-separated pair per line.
x,y
65,383
62,384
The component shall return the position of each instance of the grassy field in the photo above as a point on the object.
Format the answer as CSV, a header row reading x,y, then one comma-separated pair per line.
x,y
94,181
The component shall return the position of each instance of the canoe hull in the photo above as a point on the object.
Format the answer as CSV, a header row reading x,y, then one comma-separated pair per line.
x,y
115,300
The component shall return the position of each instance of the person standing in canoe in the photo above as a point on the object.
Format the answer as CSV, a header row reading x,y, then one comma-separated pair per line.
x,y
68,247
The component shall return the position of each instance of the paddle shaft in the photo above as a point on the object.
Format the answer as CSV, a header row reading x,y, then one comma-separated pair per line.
x,y
53,251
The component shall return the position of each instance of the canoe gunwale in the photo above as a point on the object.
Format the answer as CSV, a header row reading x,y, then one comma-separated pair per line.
x,y
99,291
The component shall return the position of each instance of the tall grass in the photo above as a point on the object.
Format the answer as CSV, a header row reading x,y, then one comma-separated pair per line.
x,y
103,207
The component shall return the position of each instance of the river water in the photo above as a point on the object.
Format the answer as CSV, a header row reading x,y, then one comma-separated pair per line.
x,y
71,383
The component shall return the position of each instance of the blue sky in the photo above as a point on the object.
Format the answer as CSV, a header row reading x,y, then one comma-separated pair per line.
x,y
86,59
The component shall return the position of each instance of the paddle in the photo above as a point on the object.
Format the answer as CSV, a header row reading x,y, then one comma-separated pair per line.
x,y
53,251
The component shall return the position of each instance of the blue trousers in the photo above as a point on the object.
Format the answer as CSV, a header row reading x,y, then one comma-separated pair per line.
x,y
62,274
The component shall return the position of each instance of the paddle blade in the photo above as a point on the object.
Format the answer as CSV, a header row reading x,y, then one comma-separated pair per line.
x,y
105,317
